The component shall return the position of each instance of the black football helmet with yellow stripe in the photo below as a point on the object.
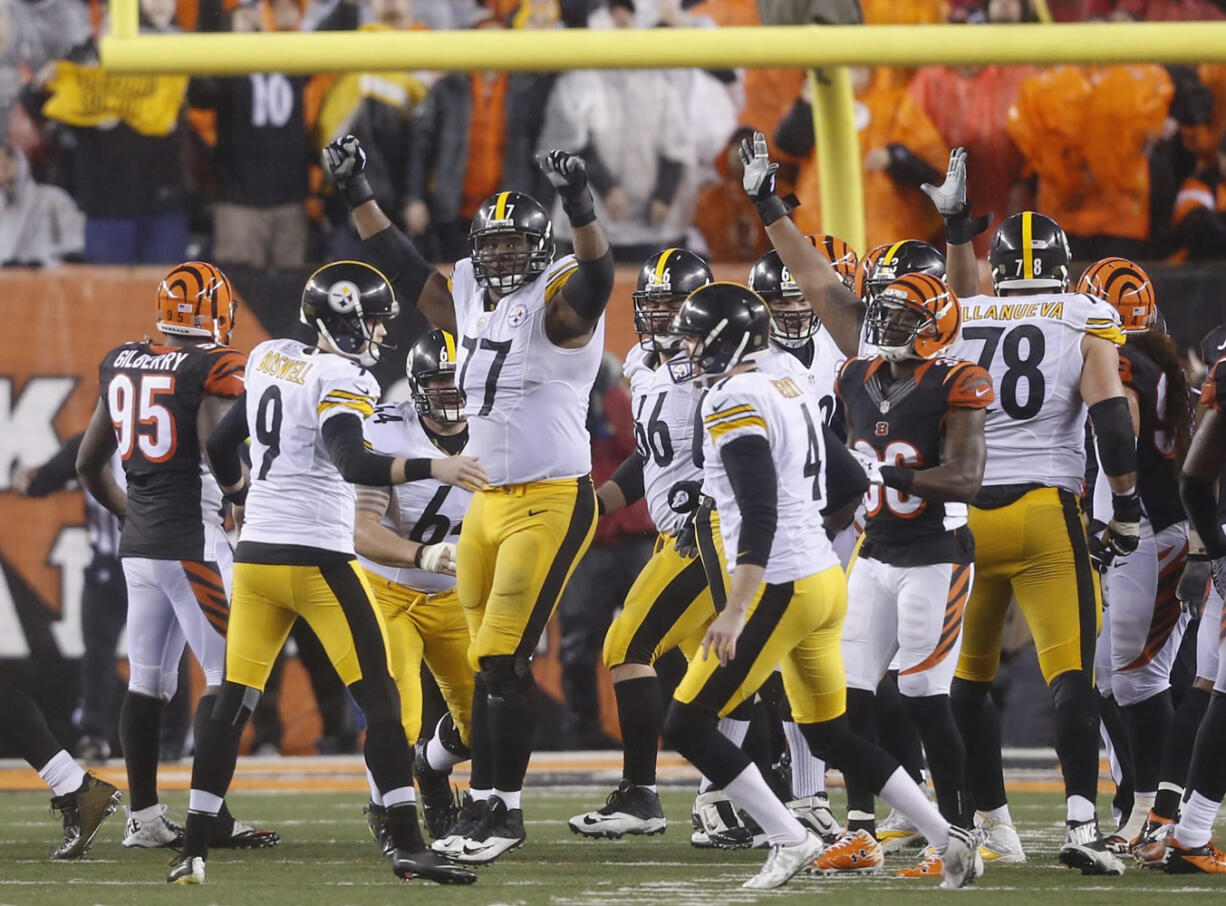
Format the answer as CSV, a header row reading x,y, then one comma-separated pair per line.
x,y
730,324
665,280
511,241
885,264
1029,254
430,368
343,301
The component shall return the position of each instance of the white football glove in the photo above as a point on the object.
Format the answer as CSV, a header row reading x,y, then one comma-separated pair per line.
x,y
870,464
438,558
759,178
950,196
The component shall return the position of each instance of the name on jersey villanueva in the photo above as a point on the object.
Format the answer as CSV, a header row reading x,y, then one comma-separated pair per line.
x,y
1009,311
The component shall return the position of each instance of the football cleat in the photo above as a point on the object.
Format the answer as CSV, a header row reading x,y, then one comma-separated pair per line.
x,y
1149,848
961,863
999,842
1207,859
84,810
499,830
244,836
814,813
470,814
629,809
428,866
380,828
158,832
438,805
188,870
1116,844
785,861
898,832
855,852
929,866
1084,848
717,824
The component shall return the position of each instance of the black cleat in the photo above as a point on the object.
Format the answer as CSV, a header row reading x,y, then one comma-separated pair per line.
x,y
84,810
429,866
501,829
629,809
438,805
244,836
380,829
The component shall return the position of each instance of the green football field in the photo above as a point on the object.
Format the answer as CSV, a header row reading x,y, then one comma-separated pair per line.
x,y
327,857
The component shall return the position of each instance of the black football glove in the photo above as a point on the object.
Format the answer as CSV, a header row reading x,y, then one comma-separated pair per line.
x,y
1101,555
1193,584
686,497
345,162
1124,530
567,173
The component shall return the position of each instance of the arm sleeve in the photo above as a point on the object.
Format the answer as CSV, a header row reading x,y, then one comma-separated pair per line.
x,y
57,472
346,446
225,442
751,472
587,285
393,253
908,168
1117,446
629,477
668,180
845,480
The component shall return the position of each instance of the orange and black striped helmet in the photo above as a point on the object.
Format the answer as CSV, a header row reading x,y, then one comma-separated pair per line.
x,y
842,257
914,317
1127,287
197,300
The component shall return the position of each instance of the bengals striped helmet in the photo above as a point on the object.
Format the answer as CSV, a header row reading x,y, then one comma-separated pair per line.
x,y
1127,287
914,317
197,300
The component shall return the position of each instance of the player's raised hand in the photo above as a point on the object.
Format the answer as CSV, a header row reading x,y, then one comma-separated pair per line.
x,y
949,198
759,177
567,172
463,471
345,162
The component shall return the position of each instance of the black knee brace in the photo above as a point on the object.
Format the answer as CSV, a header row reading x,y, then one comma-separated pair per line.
x,y
450,739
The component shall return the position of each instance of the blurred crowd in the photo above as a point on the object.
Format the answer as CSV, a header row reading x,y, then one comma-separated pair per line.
x,y
107,169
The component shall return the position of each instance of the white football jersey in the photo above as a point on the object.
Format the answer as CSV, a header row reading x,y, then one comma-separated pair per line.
x,y
779,408
297,495
527,398
827,360
1031,345
426,511
663,433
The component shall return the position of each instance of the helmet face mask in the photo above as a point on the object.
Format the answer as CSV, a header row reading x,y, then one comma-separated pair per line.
x,y
347,301
665,280
793,322
915,317
653,319
510,242
893,327
719,327
431,370
197,300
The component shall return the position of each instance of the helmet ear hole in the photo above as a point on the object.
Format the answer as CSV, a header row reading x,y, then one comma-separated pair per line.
x,y
341,300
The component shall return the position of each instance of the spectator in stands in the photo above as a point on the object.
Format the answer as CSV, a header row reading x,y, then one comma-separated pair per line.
x,y
622,545
900,149
633,131
471,138
1200,213
262,156
39,225
126,149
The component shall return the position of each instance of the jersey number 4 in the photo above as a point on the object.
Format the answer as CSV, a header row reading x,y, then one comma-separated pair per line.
x,y
141,422
1019,367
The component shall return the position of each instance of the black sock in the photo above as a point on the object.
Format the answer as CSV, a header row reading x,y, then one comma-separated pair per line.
x,y
863,723
979,723
140,728
512,721
26,727
212,771
1207,773
896,731
224,826
388,755
482,768
862,762
406,832
758,746
1076,733
693,731
1178,753
640,711
1149,723
934,720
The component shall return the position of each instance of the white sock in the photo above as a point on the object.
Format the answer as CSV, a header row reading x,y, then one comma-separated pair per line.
x,y
1141,804
1080,809
62,774
902,793
1195,826
400,796
439,757
808,771
647,786
998,815
511,799
375,796
750,792
197,801
479,795
734,731
154,811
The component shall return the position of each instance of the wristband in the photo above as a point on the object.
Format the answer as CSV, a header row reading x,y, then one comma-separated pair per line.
x,y
1126,507
355,190
772,207
897,477
416,469
417,556
961,227
579,207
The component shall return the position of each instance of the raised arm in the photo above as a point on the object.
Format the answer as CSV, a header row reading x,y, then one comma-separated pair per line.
x,y
961,266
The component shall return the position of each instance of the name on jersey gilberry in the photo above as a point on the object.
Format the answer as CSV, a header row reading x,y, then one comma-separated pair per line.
x,y
1021,311
134,358
284,368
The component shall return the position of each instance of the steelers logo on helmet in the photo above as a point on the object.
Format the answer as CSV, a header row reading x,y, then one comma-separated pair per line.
x,y
510,242
1127,287
431,370
1029,254
665,280
914,317
345,301
720,326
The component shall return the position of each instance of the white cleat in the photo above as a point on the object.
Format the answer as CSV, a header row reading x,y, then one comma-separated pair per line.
x,y
814,813
717,824
785,861
188,870
961,863
1000,842
152,834
898,832
629,809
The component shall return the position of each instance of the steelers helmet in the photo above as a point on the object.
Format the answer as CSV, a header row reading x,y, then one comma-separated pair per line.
x,y
1029,253
914,317
431,370
665,280
342,301
510,214
886,263
731,324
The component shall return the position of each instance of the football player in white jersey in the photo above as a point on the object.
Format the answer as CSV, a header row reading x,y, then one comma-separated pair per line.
x,y
775,480
1053,356
530,332
405,540
303,409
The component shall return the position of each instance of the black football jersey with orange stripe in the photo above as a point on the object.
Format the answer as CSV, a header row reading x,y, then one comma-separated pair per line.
x,y
153,393
1157,477
901,423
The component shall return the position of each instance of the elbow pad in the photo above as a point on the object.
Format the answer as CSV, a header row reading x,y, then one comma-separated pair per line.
x,y
1117,445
